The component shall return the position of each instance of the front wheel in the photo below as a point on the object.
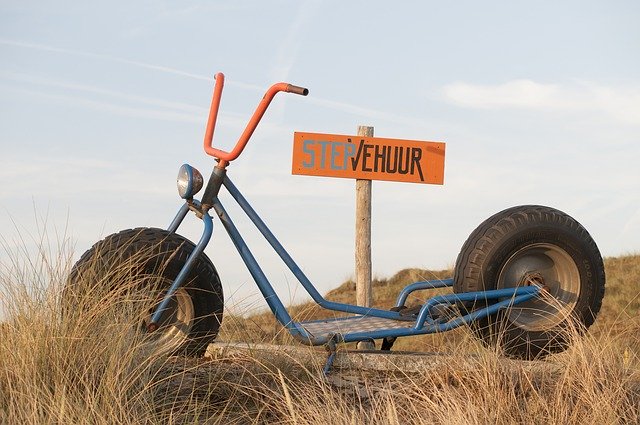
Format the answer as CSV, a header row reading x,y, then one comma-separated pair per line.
x,y
528,245
133,269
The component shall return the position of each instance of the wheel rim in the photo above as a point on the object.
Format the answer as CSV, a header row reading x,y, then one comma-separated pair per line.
x,y
176,323
551,267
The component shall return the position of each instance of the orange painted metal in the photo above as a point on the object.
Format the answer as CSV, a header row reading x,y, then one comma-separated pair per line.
x,y
213,114
226,157
368,158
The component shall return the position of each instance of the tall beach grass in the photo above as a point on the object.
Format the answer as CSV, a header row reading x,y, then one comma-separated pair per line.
x,y
89,365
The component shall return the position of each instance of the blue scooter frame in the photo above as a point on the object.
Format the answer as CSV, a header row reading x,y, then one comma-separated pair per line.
x,y
438,314
389,324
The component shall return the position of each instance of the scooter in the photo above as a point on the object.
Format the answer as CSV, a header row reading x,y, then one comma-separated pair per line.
x,y
523,278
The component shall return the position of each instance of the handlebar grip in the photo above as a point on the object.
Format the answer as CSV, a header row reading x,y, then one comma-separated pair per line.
x,y
297,90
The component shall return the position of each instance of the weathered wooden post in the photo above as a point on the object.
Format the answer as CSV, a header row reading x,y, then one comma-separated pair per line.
x,y
364,297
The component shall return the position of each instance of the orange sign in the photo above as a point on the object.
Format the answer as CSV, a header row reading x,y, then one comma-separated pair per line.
x,y
368,158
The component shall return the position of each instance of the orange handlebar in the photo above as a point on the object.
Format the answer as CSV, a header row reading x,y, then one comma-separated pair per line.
x,y
253,122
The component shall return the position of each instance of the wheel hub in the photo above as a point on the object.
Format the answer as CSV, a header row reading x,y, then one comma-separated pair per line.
x,y
175,326
533,279
554,271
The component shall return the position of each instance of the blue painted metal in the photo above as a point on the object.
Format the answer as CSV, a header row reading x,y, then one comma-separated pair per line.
x,y
175,223
327,366
521,293
513,297
297,272
423,324
440,327
204,240
417,286
332,346
269,294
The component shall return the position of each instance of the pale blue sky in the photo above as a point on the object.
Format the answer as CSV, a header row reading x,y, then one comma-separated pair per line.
x,y
538,102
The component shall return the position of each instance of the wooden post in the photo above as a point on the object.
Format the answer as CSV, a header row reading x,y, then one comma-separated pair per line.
x,y
363,234
364,297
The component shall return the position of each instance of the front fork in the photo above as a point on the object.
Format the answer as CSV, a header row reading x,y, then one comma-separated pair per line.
x,y
184,272
202,211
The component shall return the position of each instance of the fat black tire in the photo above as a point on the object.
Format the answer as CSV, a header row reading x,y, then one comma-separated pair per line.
x,y
151,259
532,244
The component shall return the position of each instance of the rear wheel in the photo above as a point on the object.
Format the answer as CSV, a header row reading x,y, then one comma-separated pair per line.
x,y
528,245
133,269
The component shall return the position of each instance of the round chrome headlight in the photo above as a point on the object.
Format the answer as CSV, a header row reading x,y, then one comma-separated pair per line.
x,y
189,181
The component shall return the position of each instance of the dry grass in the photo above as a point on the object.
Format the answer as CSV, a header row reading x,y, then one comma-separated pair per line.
x,y
88,368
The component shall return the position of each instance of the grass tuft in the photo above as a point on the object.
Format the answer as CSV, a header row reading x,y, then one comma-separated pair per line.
x,y
88,365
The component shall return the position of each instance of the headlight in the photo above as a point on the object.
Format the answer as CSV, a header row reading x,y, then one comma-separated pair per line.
x,y
189,181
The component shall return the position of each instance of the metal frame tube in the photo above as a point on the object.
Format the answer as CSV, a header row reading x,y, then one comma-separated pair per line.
x,y
442,327
175,223
423,323
227,157
275,304
295,269
182,275
510,293
417,286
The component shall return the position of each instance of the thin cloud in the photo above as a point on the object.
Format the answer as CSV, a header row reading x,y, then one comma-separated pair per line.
x,y
91,89
111,107
116,102
160,68
621,103
284,62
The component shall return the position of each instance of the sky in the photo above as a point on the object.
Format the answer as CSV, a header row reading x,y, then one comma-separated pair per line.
x,y
101,102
